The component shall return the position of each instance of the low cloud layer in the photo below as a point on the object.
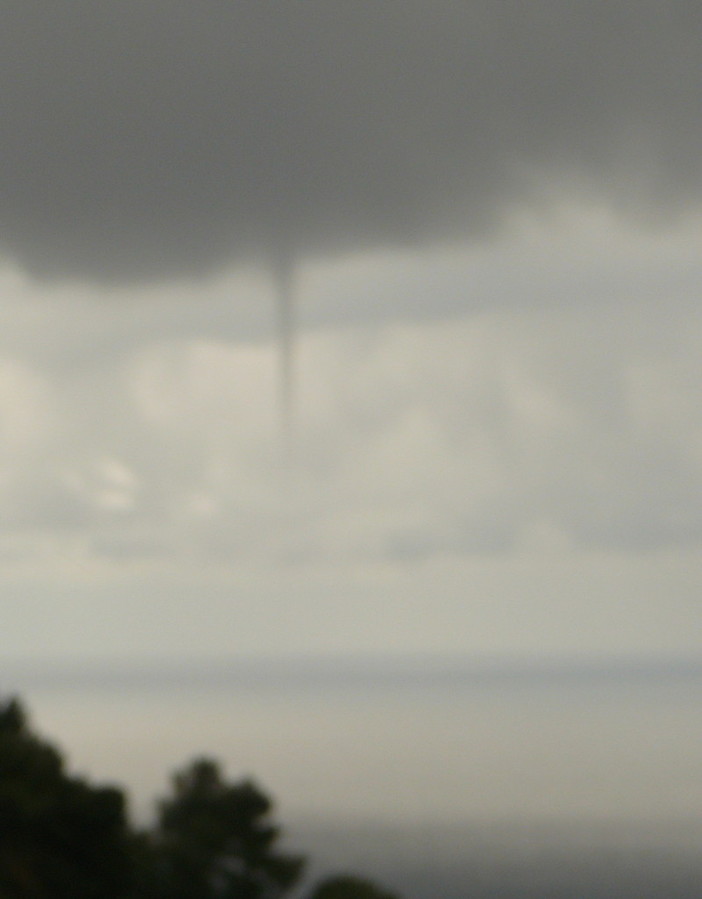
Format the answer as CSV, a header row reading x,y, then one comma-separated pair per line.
x,y
165,138
528,423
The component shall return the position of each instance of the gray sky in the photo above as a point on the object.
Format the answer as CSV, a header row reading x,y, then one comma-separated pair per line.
x,y
165,138
494,212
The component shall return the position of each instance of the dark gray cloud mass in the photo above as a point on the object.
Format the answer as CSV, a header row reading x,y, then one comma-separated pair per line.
x,y
164,137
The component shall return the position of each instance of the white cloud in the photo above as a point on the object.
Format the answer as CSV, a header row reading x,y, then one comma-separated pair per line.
x,y
523,430
411,437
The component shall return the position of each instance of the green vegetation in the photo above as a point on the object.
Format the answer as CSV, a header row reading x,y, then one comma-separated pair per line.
x,y
62,837
59,836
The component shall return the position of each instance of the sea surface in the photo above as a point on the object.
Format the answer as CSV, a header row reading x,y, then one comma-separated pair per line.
x,y
436,777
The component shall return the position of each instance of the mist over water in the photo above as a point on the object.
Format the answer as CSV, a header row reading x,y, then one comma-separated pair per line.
x,y
435,777
558,860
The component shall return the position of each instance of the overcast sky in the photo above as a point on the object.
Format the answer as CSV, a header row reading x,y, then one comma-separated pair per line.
x,y
493,214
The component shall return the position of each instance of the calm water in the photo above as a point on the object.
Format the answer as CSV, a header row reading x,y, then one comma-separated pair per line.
x,y
438,778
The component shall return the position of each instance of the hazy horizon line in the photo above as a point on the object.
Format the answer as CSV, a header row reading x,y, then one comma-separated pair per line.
x,y
352,669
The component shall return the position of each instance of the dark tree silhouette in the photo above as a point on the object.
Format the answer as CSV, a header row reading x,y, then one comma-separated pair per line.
x,y
348,887
59,837
215,839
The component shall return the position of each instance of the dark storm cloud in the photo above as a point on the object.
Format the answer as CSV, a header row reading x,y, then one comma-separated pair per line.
x,y
153,138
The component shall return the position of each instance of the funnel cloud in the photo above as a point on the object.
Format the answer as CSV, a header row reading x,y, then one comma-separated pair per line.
x,y
481,220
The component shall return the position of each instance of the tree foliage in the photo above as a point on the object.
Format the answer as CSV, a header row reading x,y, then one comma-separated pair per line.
x,y
217,839
62,838
59,836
